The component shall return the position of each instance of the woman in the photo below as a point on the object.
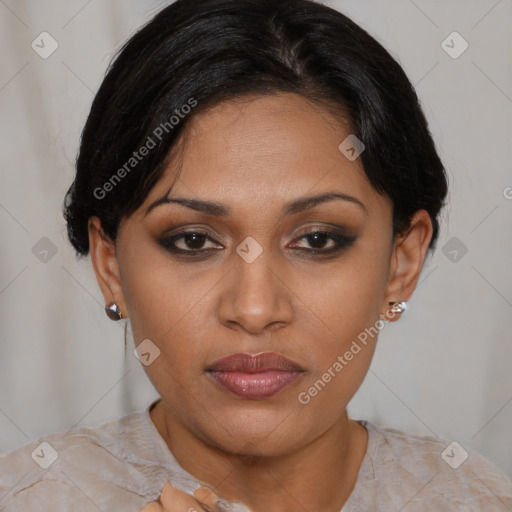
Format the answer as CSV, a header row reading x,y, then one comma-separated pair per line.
x,y
258,190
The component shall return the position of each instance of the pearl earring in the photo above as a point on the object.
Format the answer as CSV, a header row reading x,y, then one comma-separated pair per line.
x,y
398,307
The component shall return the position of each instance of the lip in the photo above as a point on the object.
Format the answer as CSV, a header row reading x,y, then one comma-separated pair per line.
x,y
254,363
254,376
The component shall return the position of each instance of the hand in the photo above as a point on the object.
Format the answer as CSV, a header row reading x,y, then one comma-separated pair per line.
x,y
175,500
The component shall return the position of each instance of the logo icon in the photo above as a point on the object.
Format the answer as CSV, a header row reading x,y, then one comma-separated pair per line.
x,y
44,45
454,249
454,455
351,147
454,45
45,455
146,352
249,249
44,250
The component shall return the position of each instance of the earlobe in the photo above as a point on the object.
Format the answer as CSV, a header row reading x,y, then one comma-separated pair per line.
x,y
407,259
106,266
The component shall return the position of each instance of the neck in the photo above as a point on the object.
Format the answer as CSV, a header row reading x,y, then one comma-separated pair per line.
x,y
317,476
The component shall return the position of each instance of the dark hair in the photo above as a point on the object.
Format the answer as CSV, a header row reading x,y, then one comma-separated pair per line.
x,y
195,54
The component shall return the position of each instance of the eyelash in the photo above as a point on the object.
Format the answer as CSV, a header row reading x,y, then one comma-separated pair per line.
x,y
341,242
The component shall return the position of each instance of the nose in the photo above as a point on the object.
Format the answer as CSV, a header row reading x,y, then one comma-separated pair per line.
x,y
255,297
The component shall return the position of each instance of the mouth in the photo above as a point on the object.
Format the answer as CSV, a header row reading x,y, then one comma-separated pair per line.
x,y
254,377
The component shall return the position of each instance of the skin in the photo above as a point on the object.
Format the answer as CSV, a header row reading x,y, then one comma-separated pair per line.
x,y
173,499
254,155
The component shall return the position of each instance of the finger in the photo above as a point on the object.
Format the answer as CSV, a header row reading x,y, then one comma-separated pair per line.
x,y
175,499
206,496
152,507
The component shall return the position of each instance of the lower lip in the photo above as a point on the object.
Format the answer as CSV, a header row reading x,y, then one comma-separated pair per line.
x,y
255,386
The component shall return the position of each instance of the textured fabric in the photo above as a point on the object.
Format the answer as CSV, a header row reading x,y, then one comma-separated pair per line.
x,y
123,464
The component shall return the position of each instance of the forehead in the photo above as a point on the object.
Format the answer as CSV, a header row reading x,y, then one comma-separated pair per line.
x,y
261,151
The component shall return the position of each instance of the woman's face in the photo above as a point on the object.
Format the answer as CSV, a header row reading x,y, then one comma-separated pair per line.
x,y
252,284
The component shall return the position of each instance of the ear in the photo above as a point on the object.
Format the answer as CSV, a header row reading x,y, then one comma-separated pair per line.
x,y
407,257
105,264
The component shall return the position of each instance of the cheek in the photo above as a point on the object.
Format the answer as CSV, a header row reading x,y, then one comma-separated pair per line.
x,y
348,304
348,297
166,306
154,289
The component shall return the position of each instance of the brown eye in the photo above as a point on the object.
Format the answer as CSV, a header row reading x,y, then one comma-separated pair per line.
x,y
318,239
190,241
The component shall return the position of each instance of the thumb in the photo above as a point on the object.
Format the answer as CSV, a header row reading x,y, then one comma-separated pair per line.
x,y
206,496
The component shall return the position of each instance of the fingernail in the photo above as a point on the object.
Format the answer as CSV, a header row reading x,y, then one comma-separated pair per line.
x,y
206,496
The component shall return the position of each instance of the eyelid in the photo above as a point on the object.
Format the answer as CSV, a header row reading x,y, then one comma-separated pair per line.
x,y
338,234
184,229
341,241
181,234
337,230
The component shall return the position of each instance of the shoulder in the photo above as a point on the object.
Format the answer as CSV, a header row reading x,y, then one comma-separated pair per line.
x,y
80,466
436,470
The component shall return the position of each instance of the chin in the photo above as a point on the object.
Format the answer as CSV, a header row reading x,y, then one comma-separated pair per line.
x,y
244,438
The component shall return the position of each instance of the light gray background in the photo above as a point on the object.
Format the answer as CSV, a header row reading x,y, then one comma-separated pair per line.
x,y
444,369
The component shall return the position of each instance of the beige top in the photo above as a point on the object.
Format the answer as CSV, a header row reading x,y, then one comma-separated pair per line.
x,y
121,465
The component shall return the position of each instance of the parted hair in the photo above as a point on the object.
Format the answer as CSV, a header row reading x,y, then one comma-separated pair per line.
x,y
202,52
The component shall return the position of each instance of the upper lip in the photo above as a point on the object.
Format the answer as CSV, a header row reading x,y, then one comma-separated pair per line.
x,y
249,363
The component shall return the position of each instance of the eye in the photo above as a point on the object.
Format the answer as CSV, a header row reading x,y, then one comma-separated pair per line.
x,y
192,243
325,242
187,242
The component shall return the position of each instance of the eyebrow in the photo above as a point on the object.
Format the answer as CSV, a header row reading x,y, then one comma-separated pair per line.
x,y
290,208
